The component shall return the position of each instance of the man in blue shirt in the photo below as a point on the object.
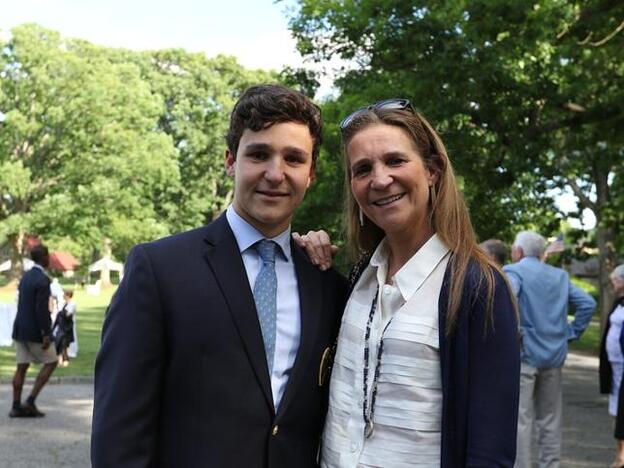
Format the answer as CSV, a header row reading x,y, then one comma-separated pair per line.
x,y
544,293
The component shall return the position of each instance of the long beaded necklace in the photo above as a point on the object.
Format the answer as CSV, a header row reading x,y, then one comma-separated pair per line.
x,y
369,426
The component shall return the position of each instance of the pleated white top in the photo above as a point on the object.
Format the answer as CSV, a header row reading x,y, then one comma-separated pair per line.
x,y
408,408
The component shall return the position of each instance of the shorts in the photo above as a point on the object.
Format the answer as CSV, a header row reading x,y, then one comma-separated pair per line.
x,y
31,352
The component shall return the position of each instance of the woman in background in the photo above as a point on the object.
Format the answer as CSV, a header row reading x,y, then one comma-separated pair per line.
x,y
63,328
612,362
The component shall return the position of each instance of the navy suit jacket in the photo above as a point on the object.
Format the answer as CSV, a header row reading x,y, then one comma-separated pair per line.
x,y
181,377
33,321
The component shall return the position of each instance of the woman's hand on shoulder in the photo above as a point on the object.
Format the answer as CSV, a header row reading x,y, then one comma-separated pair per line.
x,y
317,245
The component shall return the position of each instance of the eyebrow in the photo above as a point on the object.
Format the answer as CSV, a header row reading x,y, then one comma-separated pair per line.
x,y
269,148
389,154
394,154
258,147
297,151
360,162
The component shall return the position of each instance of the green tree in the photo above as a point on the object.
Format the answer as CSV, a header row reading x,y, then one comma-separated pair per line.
x,y
529,96
198,94
99,143
81,159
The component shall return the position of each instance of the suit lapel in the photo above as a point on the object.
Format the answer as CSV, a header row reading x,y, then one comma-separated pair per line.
x,y
223,256
310,300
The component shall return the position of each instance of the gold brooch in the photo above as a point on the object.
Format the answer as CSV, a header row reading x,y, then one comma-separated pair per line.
x,y
325,366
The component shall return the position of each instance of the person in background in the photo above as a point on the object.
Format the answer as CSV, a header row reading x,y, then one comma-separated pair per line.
x,y
63,329
496,251
427,364
544,295
612,362
56,298
72,349
32,333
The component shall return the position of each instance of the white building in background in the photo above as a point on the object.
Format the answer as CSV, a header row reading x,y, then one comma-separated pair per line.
x,y
26,262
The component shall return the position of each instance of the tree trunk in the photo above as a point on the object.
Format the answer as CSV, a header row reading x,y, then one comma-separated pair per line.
x,y
607,262
605,236
105,277
16,241
105,271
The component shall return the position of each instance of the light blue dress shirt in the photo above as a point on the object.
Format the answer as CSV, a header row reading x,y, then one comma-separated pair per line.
x,y
288,326
544,293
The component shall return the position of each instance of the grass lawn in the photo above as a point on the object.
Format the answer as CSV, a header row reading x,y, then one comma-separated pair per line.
x,y
590,340
89,318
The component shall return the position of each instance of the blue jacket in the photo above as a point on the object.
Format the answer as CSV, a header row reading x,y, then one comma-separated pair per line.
x,y
480,377
33,321
544,293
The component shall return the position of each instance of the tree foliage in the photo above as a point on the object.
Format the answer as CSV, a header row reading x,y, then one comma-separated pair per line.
x,y
528,96
99,143
77,141
198,94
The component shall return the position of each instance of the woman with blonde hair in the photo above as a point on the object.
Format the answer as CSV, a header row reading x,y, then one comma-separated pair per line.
x,y
426,371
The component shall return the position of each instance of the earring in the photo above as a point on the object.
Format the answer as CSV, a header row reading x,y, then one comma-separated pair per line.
x,y
361,217
432,194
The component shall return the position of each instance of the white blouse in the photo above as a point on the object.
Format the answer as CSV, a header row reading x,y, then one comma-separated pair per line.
x,y
614,350
408,407
616,358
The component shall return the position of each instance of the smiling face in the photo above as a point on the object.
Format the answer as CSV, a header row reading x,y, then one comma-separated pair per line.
x,y
389,179
272,170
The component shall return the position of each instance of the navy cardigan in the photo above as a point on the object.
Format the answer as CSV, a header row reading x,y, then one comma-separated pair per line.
x,y
480,368
480,376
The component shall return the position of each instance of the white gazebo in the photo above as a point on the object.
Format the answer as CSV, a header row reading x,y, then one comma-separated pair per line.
x,y
26,262
104,265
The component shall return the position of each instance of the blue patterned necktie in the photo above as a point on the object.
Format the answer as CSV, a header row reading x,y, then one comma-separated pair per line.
x,y
265,295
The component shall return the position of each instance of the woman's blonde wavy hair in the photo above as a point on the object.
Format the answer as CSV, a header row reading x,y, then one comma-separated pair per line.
x,y
448,213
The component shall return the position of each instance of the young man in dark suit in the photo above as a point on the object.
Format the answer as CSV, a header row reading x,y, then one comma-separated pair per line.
x,y
214,347
32,333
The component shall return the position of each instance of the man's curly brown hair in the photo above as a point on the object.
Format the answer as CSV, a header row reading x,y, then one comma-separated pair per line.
x,y
264,105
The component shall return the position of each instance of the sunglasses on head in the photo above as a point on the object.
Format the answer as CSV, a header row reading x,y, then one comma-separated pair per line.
x,y
389,104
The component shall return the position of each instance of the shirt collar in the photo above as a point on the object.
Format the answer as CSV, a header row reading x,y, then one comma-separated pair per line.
x,y
36,265
411,275
246,235
530,259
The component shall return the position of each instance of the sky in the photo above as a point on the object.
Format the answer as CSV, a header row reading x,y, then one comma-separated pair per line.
x,y
254,31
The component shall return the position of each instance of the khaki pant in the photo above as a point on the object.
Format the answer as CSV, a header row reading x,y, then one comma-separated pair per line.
x,y
540,405
31,352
